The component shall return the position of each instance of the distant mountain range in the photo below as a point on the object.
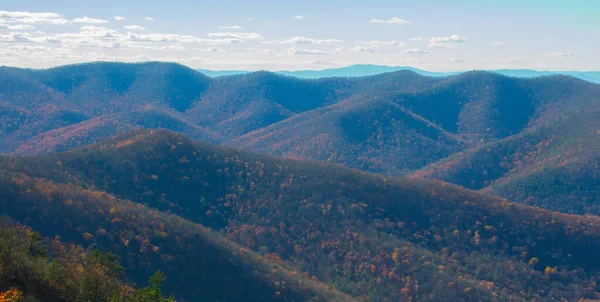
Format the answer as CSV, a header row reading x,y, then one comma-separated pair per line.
x,y
509,136
362,70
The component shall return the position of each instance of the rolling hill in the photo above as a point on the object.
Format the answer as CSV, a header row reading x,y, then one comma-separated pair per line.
x,y
158,200
513,137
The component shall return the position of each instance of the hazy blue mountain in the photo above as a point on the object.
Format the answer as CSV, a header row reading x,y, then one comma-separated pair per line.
x,y
362,70
221,73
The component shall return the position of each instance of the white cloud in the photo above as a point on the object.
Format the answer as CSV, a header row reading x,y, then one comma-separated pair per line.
x,y
393,20
298,17
230,27
49,39
515,60
149,19
88,20
15,37
457,61
172,47
16,27
418,39
560,54
497,43
210,49
416,51
303,40
383,43
166,38
304,51
321,62
249,19
224,41
119,18
339,50
446,42
88,28
32,18
257,50
134,27
362,49
34,48
240,36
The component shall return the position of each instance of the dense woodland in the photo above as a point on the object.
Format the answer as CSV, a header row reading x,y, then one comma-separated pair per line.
x,y
34,268
374,238
471,174
532,140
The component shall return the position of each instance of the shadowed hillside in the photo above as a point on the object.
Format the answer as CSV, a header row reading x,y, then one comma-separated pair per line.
x,y
508,136
372,237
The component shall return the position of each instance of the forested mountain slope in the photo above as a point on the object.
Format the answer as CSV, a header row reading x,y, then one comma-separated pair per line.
x,y
199,264
373,237
513,137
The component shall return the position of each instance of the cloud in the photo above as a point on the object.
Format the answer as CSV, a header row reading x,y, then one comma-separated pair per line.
x,y
15,37
362,49
560,54
166,38
457,61
299,17
88,20
304,51
32,18
393,20
257,50
210,49
49,39
134,27
303,40
497,43
224,41
230,27
383,43
445,42
88,28
322,62
339,50
22,47
249,19
172,47
515,60
416,51
118,18
240,36
16,27
418,39
149,19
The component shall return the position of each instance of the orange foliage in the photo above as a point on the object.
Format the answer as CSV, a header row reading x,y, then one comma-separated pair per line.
x,y
11,295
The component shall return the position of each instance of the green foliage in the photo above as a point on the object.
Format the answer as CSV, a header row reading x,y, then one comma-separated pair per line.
x,y
72,274
152,293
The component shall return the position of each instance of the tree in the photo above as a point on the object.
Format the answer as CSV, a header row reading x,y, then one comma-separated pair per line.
x,y
36,246
152,292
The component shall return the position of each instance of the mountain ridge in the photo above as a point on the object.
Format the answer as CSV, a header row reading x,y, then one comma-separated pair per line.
x,y
361,70
397,123
370,236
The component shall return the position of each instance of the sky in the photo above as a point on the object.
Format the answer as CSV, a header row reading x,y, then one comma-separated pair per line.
x,y
435,35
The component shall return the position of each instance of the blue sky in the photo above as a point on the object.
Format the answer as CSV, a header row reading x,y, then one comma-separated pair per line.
x,y
291,35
